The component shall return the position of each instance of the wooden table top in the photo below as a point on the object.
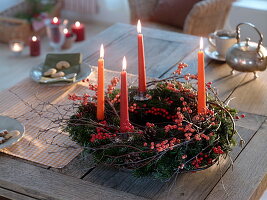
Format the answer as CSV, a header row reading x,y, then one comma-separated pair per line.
x,y
20,179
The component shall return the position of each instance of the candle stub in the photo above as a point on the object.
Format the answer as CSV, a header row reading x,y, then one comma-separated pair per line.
x,y
35,46
79,30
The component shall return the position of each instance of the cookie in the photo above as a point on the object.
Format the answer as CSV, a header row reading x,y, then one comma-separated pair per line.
x,y
62,65
50,72
58,74
11,134
3,133
2,140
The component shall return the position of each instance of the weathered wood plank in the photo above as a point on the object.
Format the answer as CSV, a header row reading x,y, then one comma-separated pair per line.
x,y
107,37
220,75
78,167
249,174
22,160
251,121
13,195
187,186
44,184
255,90
123,180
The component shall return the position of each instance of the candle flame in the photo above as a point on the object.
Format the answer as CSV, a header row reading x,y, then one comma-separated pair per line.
x,y
55,20
124,64
65,31
77,24
201,43
101,51
139,26
34,38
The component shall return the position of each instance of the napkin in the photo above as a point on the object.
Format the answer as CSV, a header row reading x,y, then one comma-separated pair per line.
x,y
75,59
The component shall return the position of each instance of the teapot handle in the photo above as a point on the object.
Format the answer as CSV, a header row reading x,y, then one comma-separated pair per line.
x,y
253,26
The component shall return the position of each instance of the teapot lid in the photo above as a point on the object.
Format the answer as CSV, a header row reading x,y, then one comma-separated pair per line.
x,y
247,46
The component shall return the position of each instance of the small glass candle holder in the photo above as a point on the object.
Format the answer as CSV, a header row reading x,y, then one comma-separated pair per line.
x,y
55,33
16,46
69,39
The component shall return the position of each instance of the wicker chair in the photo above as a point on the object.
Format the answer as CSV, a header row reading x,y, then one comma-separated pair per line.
x,y
205,17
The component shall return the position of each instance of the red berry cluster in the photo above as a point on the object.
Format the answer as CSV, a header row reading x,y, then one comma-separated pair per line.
x,y
113,84
208,85
85,80
160,112
172,87
169,127
128,127
74,97
180,67
83,99
116,99
133,108
218,150
238,117
189,76
165,145
150,125
202,157
168,101
102,132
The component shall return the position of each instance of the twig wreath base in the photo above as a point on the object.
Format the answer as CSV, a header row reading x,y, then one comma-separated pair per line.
x,y
166,135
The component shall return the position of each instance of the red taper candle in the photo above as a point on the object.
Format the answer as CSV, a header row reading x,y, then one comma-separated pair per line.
x,y
201,108
124,114
141,60
100,88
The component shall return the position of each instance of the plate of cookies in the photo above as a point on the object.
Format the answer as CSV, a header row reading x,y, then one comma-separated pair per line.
x,y
61,69
11,131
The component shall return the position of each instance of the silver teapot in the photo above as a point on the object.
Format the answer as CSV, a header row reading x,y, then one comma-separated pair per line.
x,y
247,56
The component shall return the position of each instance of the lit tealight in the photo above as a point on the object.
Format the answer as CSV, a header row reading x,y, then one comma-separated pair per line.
x,y
101,51
77,24
139,26
124,64
34,38
17,47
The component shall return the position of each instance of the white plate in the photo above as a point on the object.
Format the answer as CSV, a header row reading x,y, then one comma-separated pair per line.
x,y
36,74
213,54
9,124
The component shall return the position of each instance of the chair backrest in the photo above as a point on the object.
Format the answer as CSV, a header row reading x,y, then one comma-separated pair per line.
x,y
207,16
141,9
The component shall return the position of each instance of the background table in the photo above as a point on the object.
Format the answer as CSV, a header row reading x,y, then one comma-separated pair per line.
x,y
20,179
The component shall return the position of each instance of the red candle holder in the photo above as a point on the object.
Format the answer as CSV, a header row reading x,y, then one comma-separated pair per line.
x,y
35,46
79,30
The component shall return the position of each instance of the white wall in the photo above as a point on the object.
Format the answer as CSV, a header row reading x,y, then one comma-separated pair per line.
x,y
110,11
113,11
253,11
